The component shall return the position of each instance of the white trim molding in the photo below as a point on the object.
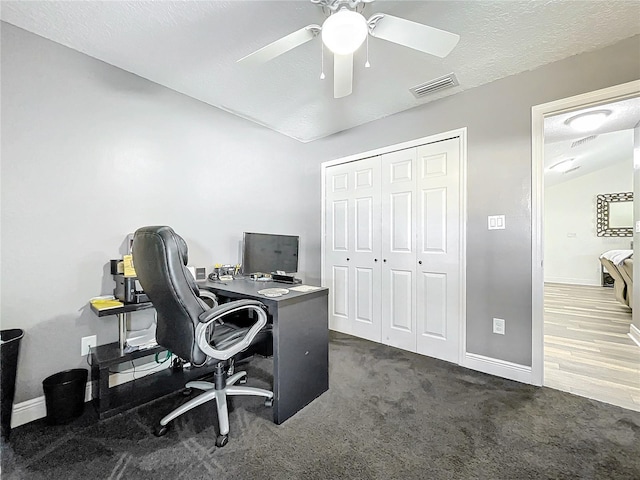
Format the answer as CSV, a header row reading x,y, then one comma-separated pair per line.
x,y
573,281
34,409
499,368
634,334
538,114
28,411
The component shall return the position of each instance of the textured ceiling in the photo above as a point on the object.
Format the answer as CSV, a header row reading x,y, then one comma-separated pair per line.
x,y
591,151
192,47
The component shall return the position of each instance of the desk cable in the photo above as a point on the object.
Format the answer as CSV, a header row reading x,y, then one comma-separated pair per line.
x,y
168,355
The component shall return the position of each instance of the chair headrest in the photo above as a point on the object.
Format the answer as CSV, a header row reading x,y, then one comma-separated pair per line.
x,y
160,257
183,249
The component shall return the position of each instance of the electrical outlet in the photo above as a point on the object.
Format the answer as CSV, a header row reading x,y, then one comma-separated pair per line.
x,y
86,342
498,326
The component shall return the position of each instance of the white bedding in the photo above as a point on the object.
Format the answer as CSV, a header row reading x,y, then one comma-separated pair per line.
x,y
617,257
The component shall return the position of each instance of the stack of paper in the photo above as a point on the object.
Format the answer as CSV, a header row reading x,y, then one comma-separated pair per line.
x,y
103,303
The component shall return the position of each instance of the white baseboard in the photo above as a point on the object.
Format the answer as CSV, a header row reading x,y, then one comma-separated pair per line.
x,y
34,409
28,411
573,281
499,368
634,333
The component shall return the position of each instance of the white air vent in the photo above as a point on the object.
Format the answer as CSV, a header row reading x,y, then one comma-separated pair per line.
x,y
582,141
432,86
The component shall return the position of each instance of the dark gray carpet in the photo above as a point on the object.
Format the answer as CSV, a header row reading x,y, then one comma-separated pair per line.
x,y
388,414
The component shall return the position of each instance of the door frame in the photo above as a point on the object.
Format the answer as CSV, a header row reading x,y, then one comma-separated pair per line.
x,y
460,133
538,114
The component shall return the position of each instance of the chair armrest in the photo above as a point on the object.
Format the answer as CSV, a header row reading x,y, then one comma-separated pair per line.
x,y
209,296
216,314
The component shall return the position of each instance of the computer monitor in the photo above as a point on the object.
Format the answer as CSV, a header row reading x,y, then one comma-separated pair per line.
x,y
267,253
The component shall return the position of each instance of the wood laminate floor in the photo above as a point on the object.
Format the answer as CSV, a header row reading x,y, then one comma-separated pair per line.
x,y
586,347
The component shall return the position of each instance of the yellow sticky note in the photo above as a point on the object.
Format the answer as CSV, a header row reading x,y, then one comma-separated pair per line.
x,y
129,270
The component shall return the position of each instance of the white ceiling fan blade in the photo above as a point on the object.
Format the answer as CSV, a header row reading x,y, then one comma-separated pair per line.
x,y
414,35
342,75
282,45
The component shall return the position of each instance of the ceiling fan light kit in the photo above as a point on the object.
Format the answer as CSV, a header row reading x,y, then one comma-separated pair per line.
x,y
563,166
346,29
588,121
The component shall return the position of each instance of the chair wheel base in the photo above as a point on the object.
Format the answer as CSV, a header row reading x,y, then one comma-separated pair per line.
x,y
222,440
268,402
161,430
187,392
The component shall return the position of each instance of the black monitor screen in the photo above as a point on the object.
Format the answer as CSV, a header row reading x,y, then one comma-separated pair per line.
x,y
267,253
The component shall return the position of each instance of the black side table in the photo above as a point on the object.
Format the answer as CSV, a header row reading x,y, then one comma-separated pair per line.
x,y
121,312
117,399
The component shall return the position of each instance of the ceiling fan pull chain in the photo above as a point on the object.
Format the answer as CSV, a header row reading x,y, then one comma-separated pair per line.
x,y
322,61
367,64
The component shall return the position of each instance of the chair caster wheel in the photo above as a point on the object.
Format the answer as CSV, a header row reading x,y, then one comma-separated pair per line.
x,y
222,440
187,392
268,402
243,381
161,430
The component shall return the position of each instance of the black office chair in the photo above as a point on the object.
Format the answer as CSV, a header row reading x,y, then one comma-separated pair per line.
x,y
190,328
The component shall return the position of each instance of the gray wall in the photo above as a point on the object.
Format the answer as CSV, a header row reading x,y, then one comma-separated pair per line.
x,y
571,244
498,118
91,152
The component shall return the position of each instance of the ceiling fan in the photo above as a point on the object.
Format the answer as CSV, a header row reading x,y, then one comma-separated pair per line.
x,y
346,29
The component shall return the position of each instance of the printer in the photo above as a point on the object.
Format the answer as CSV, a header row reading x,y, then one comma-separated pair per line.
x,y
129,290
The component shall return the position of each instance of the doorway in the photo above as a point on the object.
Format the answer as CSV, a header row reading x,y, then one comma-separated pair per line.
x,y
570,310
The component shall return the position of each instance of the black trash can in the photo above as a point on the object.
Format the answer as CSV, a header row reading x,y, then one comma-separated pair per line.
x,y
9,350
64,395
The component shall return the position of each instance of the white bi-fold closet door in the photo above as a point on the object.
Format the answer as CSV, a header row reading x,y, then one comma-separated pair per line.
x,y
352,247
392,248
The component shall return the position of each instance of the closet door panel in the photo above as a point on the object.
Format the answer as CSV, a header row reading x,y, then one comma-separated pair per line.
x,y
352,247
438,306
339,304
338,185
433,290
398,249
365,232
339,226
401,222
433,231
364,237
366,315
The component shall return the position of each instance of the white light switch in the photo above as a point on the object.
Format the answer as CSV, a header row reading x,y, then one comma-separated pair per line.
x,y
496,222
498,326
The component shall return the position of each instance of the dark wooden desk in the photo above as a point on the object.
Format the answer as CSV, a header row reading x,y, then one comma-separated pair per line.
x,y
300,340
